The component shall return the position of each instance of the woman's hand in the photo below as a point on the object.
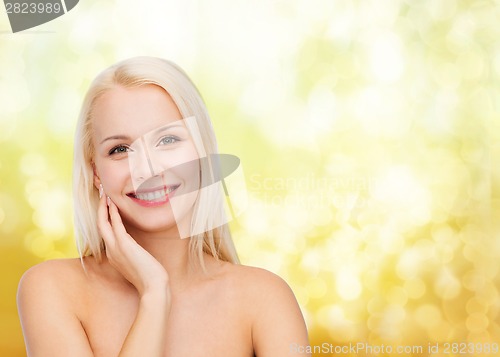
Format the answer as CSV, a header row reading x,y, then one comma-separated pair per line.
x,y
136,264
146,336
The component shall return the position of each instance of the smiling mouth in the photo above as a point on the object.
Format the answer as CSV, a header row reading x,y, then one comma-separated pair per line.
x,y
154,195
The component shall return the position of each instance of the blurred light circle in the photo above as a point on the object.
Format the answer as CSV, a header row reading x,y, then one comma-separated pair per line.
x,y
316,288
415,288
477,322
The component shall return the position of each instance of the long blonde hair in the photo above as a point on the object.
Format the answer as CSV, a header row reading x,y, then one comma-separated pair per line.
x,y
135,72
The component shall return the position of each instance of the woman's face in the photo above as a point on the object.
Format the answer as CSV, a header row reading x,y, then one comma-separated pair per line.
x,y
145,158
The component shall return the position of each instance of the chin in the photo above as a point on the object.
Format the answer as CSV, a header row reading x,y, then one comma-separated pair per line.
x,y
150,223
156,230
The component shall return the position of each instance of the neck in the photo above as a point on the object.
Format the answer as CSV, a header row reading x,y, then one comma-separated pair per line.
x,y
172,252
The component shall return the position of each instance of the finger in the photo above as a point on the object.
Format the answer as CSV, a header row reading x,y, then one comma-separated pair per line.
x,y
116,221
103,224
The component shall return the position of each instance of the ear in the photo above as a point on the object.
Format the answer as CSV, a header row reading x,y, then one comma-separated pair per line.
x,y
97,180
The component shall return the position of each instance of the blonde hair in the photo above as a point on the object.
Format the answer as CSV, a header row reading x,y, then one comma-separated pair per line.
x,y
136,72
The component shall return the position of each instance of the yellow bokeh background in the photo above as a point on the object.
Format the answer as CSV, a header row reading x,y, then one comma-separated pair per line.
x,y
368,131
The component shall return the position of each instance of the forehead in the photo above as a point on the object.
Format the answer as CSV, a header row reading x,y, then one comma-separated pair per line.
x,y
133,111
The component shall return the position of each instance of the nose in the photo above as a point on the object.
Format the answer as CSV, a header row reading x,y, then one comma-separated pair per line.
x,y
142,163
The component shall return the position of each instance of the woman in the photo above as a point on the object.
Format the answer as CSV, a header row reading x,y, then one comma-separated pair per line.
x,y
140,288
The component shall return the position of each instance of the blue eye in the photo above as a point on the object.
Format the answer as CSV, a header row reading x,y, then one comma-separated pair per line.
x,y
166,140
120,149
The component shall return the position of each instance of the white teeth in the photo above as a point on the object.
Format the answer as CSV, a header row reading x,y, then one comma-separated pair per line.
x,y
151,196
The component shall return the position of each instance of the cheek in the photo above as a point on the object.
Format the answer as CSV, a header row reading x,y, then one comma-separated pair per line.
x,y
180,159
187,167
188,155
112,175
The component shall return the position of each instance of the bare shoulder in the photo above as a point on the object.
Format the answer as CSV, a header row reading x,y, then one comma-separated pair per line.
x,y
55,267
58,274
277,321
260,290
51,283
255,281
46,298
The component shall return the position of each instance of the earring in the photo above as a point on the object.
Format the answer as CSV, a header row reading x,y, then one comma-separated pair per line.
x,y
101,190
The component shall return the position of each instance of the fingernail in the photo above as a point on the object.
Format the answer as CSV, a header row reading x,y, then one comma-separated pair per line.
x,y
101,190
108,200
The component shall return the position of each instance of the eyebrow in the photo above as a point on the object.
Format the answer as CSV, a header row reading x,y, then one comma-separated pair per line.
x,y
156,131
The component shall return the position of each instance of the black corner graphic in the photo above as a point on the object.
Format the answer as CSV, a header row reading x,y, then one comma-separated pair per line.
x,y
26,14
